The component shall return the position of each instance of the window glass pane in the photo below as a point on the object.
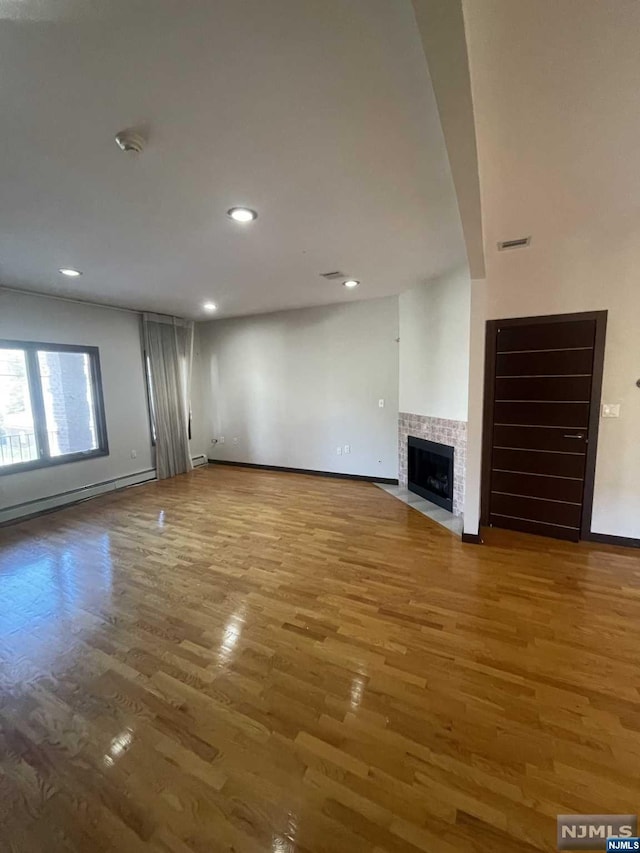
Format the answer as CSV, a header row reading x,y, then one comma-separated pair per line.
x,y
69,404
17,433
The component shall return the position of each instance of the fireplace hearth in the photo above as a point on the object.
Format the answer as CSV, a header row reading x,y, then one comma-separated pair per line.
x,y
430,470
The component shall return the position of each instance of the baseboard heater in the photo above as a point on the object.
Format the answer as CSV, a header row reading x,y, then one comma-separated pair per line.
x,y
27,509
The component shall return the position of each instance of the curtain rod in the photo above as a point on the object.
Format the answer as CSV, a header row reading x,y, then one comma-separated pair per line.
x,y
78,301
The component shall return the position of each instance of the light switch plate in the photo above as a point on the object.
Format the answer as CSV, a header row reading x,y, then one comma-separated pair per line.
x,y
611,410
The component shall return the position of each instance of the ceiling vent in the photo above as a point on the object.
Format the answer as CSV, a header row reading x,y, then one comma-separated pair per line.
x,y
333,276
520,243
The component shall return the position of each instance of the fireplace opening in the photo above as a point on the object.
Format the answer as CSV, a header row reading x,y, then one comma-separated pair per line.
x,y
430,471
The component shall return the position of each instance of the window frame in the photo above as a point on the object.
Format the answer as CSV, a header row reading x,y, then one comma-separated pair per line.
x,y
45,460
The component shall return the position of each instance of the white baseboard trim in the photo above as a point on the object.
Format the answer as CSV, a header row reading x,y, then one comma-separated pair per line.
x,y
41,505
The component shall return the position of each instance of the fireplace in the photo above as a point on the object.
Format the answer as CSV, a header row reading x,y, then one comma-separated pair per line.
x,y
430,470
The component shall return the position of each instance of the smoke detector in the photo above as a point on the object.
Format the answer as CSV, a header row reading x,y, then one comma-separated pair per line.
x,y
130,140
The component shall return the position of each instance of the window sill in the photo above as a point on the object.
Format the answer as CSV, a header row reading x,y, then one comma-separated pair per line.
x,y
21,467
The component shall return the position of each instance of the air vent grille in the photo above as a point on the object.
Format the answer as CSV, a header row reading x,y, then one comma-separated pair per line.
x,y
333,276
520,243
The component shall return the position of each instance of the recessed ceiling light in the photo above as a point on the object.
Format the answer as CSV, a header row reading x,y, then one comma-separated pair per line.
x,y
210,306
71,273
351,282
242,214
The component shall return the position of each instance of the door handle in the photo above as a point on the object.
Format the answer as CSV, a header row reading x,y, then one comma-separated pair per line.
x,y
580,435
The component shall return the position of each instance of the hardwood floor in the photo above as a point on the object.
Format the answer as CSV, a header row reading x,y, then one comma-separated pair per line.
x,y
241,660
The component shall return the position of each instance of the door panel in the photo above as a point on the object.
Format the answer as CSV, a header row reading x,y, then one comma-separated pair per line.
x,y
542,413
541,438
538,485
539,462
542,386
546,336
556,388
573,363
540,528
537,509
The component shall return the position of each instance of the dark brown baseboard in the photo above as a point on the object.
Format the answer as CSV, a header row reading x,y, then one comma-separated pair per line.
x,y
387,480
605,539
472,538
602,538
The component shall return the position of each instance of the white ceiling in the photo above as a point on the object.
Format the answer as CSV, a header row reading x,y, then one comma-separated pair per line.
x,y
318,113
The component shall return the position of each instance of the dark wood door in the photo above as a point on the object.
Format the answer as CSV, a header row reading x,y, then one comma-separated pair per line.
x,y
540,422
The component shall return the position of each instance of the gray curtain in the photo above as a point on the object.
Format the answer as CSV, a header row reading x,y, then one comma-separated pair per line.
x,y
168,344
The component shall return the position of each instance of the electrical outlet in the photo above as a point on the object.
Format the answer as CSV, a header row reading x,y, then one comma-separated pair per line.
x,y
221,440
381,403
347,448
339,451
235,439
134,454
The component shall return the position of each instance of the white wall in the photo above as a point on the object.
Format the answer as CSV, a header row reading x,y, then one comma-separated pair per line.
x,y
117,335
294,385
555,89
200,440
441,27
434,347
473,472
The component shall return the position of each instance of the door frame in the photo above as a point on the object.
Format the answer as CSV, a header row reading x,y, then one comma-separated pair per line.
x,y
492,326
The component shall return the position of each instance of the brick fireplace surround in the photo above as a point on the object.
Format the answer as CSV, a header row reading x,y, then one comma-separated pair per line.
x,y
444,431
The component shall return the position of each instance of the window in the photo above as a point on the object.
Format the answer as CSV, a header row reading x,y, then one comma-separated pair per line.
x,y
51,407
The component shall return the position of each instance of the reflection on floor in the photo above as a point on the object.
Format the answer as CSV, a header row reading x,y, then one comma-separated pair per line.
x,y
251,661
436,513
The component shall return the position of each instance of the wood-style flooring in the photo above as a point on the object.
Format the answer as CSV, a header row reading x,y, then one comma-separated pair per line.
x,y
240,660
